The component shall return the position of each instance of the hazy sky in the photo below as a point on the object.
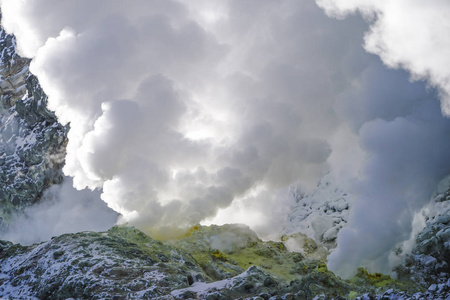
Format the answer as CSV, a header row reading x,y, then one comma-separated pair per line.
x,y
180,109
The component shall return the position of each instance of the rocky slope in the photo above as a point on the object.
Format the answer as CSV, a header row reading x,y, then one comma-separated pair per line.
x,y
32,142
226,262
320,215
429,262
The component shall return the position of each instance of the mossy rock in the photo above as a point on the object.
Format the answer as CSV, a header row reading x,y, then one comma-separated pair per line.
x,y
377,282
125,263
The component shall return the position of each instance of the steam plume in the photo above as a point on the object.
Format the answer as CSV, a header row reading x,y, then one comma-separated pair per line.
x,y
406,34
181,109
176,110
66,210
408,145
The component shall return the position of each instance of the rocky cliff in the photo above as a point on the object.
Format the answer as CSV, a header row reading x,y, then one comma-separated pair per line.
x,y
429,261
32,142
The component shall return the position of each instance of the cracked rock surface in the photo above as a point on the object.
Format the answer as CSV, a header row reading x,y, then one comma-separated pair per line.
x,y
32,142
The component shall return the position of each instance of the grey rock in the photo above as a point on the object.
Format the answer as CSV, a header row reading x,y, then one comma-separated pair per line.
x,y
32,142
124,263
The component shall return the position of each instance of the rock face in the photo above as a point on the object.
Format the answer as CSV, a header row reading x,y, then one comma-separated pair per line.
x,y
320,214
217,262
32,142
429,262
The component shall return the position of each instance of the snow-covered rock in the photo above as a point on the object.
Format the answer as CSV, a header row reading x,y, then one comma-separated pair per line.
x,y
429,262
320,214
124,263
32,142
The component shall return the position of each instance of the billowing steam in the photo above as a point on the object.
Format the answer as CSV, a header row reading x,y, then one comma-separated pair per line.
x,y
179,109
407,142
66,210
176,110
409,34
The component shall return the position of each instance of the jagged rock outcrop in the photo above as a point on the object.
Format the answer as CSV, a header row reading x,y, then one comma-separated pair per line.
x,y
429,262
32,142
319,214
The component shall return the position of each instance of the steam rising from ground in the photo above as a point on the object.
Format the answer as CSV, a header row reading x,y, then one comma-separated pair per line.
x,y
408,146
180,109
177,110
66,210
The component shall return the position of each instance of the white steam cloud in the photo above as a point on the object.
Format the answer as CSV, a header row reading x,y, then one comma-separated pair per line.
x,y
409,34
175,110
407,139
66,210
180,109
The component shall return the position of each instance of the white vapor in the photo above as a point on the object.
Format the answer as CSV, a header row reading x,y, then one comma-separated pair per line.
x,y
409,34
182,109
176,110
407,140
65,210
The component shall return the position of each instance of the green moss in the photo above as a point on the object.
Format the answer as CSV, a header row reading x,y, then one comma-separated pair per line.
x,y
352,295
241,250
210,253
381,282
219,255
132,235
372,278
322,268
9,249
319,281
278,265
